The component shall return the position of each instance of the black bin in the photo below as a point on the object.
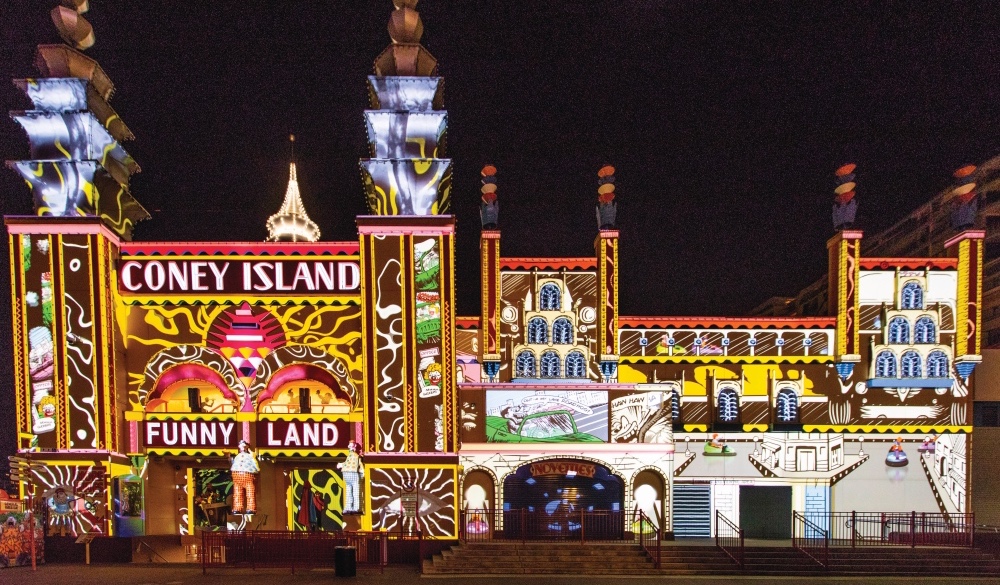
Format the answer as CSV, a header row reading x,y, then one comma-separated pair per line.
x,y
345,561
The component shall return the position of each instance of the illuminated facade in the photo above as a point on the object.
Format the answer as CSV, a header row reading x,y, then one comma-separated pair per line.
x,y
134,397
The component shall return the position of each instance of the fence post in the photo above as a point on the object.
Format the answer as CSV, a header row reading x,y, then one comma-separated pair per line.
x,y
854,528
659,556
524,521
583,522
913,529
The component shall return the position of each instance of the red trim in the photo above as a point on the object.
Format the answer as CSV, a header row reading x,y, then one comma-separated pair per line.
x,y
549,263
467,322
908,263
733,322
239,249
411,458
191,372
542,386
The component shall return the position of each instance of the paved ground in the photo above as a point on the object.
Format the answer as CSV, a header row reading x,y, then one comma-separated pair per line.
x,y
176,574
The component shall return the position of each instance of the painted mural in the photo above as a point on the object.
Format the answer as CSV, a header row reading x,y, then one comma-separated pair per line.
x,y
316,497
549,416
141,368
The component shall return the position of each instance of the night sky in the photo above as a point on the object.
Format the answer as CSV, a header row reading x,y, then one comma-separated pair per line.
x,y
724,122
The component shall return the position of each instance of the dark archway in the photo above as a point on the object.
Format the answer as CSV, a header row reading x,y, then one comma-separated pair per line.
x,y
557,494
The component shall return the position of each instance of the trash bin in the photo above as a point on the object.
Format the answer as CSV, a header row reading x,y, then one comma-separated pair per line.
x,y
345,561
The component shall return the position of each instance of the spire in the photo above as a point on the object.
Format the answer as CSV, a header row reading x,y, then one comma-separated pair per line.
x,y
77,166
407,173
291,224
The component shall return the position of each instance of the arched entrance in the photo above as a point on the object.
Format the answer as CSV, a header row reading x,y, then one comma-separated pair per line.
x,y
553,498
478,497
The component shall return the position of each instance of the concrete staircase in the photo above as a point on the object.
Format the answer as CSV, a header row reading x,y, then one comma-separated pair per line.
x,y
540,558
548,558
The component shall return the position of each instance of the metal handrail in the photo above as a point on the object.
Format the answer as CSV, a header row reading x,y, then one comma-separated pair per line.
x,y
910,529
649,541
733,542
820,554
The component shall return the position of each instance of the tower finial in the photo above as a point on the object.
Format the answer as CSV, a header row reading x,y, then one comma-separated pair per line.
x,y
405,56
963,216
489,209
72,27
844,205
607,210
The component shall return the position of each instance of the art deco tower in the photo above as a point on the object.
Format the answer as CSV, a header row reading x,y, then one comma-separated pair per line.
x,y
68,355
78,166
408,261
406,174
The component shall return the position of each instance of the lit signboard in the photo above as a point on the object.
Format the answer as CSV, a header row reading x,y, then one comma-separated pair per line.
x,y
180,275
301,434
197,434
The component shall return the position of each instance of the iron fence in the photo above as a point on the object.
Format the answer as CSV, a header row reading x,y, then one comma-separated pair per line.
x,y
648,535
481,525
294,550
730,539
897,528
811,539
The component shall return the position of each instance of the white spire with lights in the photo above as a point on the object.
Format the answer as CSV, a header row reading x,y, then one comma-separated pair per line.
x,y
291,224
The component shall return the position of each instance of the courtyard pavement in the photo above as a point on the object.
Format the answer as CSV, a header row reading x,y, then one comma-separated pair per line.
x,y
180,574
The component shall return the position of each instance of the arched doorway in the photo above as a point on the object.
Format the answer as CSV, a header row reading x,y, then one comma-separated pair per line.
x,y
558,495
648,494
478,497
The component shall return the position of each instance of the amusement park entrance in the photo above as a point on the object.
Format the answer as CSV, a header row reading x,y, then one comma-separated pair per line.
x,y
562,499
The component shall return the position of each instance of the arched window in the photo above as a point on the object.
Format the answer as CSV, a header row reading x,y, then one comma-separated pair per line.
x,y
912,296
885,365
562,331
899,330
729,406
909,365
937,364
675,406
525,365
787,407
549,297
576,365
923,330
549,366
538,330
